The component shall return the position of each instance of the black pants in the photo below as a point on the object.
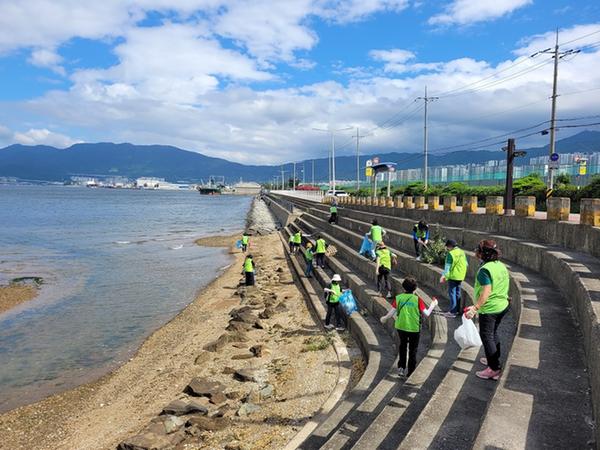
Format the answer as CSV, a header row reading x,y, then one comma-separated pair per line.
x,y
249,278
333,218
244,248
411,340
383,280
320,259
418,245
335,309
488,330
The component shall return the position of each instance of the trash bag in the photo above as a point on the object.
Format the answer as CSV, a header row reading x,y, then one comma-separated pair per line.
x,y
467,335
366,248
348,303
238,244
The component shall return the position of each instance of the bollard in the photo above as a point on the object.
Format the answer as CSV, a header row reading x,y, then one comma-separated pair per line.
x,y
382,201
558,208
590,212
433,202
408,202
390,202
369,201
469,204
494,205
398,202
419,202
450,203
525,206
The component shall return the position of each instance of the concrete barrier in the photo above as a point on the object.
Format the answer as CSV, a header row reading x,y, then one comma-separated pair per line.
x,y
525,206
590,211
408,202
494,205
433,202
390,202
450,203
398,202
558,208
469,204
369,201
419,202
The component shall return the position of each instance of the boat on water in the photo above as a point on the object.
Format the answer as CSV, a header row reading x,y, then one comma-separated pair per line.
x,y
215,186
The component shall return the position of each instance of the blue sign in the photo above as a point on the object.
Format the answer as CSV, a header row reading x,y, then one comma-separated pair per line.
x,y
554,157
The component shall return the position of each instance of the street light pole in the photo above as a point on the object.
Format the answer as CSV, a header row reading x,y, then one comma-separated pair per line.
x,y
332,179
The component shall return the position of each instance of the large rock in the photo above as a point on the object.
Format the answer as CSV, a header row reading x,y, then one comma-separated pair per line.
x,y
259,350
204,388
202,358
234,325
152,441
173,424
224,339
181,407
247,408
267,313
254,375
207,423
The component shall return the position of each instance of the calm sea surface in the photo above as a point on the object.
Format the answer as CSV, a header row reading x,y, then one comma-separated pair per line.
x,y
117,264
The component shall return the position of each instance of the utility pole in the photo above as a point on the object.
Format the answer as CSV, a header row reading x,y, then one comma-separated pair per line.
x,y
426,100
556,54
358,138
511,154
294,178
303,172
332,166
313,172
282,178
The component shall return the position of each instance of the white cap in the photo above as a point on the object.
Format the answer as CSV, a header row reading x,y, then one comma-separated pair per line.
x,y
336,277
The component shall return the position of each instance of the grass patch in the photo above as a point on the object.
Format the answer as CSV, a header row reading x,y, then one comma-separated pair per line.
x,y
316,343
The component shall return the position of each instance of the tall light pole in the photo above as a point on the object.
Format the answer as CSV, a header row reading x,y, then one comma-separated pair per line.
x,y
425,165
313,172
332,182
294,178
358,138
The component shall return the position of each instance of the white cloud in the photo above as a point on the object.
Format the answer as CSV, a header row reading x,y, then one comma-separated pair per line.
x,y
43,137
465,12
543,41
44,57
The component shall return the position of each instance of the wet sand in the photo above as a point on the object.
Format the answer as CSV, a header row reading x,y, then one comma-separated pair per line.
x,y
101,414
14,294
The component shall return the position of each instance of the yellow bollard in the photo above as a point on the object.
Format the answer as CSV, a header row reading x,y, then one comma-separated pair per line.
x,y
469,204
433,202
494,205
525,206
408,202
419,202
590,212
558,208
450,203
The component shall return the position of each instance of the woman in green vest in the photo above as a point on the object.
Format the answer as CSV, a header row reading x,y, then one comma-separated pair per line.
x,y
334,291
407,309
420,237
297,241
321,248
245,241
248,270
333,211
309,255
491,303
455,272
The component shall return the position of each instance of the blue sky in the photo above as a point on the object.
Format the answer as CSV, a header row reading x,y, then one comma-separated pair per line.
x,y
248,80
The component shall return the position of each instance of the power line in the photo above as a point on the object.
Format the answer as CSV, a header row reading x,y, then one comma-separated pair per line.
x,y
580,37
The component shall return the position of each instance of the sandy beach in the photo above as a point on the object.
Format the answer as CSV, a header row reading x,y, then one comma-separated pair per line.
x,y
14,294
295,359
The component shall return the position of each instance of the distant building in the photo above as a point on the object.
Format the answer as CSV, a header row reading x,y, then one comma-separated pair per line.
x,y
247,188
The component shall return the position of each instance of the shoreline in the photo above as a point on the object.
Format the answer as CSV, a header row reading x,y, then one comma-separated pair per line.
x,y
121,402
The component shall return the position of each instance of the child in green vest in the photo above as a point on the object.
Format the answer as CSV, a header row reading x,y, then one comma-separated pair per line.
x,y
455,272
376,233
407,309
309,255
248,270
245,241
334,292
491,303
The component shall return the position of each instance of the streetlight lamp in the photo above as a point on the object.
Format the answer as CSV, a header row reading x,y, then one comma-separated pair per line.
x,y
332,132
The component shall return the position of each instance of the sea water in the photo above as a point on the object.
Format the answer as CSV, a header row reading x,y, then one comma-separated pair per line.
x,y
117,264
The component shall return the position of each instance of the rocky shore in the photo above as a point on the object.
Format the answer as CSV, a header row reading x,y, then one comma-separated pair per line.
x,y
239,368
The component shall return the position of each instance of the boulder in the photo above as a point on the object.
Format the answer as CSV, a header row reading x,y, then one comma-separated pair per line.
x,y
254,375
259,350
181,407
247,408
173,424
152,441
207,423
259,325
224,339
204,388
234,325
266,392
218,398
202,358
267,313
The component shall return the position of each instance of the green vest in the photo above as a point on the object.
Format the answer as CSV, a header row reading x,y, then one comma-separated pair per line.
x,y
320,246
334,296
245,239
248,265
498,299
420,233
298,238
291,238
408,314
376,233
385,258
458,269
308,254
333,209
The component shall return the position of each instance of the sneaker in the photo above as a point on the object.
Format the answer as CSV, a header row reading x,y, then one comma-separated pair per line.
x,y
390,295
340,329
418,258
483,361
401,372
329,327
449,314
489,374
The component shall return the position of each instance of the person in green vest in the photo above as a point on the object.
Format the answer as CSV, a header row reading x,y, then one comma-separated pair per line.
x,y
384,260
333,211
248,270
245,241
455,272
334,291
376,233
309,255
491,303
321,248
420,237
407,309
296,241
291,243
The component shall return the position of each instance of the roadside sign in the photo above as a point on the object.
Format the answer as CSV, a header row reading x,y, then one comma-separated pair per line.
x,y
583,168
554,157
553,163
369,172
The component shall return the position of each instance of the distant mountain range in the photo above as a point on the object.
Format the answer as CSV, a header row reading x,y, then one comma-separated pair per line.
x,y
46,163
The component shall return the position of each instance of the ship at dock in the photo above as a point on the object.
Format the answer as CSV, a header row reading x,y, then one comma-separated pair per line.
x,y
214,186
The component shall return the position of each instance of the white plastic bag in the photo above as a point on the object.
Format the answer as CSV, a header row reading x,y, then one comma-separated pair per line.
x,y
467,335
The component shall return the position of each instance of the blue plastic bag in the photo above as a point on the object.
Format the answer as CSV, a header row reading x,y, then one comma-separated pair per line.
x,y
238,244
366,248
348,303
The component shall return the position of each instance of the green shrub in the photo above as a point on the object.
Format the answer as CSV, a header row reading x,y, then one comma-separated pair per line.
x,y
435,251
